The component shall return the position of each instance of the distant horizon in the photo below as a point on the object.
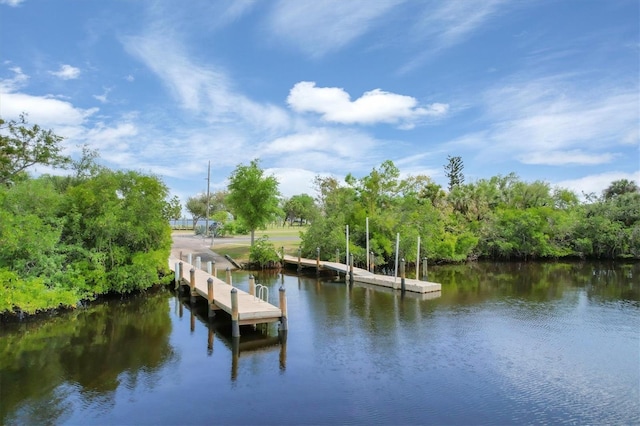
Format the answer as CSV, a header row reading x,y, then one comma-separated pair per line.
x,y
549,91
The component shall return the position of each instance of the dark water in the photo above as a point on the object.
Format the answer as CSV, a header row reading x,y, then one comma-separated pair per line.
x,y
503,344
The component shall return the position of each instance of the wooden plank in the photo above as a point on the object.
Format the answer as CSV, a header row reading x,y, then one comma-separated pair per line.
x,y
251,310
364,276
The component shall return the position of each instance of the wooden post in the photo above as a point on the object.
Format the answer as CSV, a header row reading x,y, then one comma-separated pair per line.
x,y
317,260
350,268
418,260
210,297
180,254
299,259
190,258
198,262
215,270
372,262
402,276
282,256
284,326
252,285
192,284
235,325
177,276
209,268
424,268
228,276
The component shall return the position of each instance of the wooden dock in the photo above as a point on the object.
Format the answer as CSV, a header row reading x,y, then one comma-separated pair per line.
x,y
244,308
364,276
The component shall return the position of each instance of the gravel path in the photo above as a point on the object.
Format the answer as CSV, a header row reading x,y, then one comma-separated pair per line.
x,y
198,246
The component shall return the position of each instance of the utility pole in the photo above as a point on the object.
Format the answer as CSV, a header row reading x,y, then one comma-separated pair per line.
x,y
206,232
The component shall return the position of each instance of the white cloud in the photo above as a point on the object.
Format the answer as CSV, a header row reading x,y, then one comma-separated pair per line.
x,y
375,106
130,78
554,121
318,27
12,3
559,158
66,72
293,181
103,98
596,183
202,89
44,110
18,81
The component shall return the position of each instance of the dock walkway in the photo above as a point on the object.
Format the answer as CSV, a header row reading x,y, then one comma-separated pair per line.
x,y
364,276
250,309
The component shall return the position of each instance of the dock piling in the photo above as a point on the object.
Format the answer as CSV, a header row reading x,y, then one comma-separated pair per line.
x,y
228,276
192,285
317,260
235,325
209,268
299,259
177,276
284,326
252,285
350,268
402,276
190,258
210,297
198,262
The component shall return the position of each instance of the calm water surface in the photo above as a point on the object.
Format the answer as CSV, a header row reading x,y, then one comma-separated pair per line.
x,y
502,344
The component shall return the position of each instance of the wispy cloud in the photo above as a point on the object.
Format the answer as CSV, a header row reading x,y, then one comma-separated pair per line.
x,y
14,83
442,25
203,89
375,106
66,72
596,183
12,3
320,27
553,121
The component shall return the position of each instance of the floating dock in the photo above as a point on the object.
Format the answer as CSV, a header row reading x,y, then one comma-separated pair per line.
x,y
364,276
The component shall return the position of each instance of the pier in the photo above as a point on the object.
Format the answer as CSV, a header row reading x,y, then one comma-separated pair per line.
x,y
363,276
245,308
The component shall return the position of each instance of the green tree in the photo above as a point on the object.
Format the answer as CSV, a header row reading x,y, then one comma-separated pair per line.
x,y
301,207
253,197
620,187
453,170
22,146
174,208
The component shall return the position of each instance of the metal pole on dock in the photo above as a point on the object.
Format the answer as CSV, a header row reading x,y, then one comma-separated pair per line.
x,y
346,256
192,284
284,326
252,285
317,260
367,231
235,326
210,297
418,259
228,276
402,276
395,274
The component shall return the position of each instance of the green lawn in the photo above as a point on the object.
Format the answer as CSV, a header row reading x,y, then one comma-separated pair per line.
x,y
287,237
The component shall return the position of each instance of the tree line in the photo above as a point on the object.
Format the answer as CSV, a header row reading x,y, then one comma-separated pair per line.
x,y
64,239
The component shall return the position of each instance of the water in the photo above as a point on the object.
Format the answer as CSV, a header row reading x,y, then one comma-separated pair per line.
x,y
502,344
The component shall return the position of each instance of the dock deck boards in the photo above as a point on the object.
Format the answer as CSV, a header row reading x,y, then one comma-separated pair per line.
x,y
251,309
364,276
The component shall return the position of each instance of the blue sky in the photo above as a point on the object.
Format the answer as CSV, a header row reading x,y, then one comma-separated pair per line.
x,y
548,89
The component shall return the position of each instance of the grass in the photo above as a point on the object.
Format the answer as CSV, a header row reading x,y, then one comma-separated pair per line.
x,y
287,237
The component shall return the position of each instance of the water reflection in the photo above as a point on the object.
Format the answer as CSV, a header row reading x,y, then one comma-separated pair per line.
x,y
48,367
260,337
502,344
